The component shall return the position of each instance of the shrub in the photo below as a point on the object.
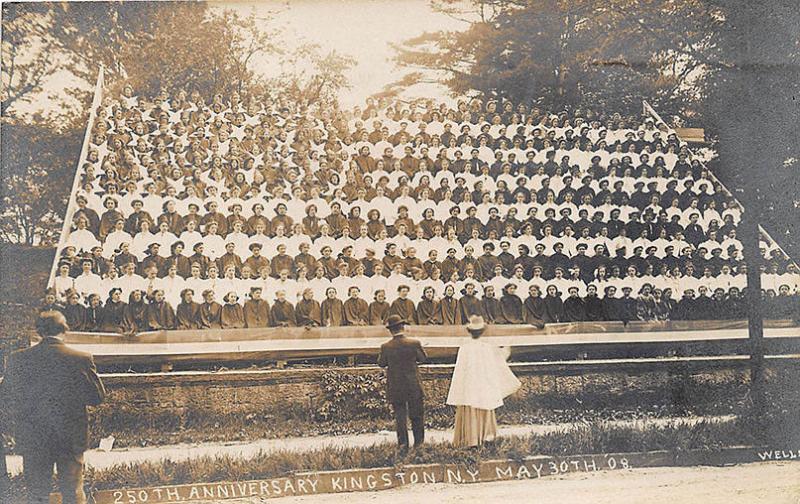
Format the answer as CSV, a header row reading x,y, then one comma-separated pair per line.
x,y
352,396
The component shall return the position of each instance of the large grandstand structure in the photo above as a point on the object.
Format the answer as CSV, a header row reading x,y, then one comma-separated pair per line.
x,y
191,212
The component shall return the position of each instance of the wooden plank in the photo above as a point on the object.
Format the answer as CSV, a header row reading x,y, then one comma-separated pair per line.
x,y
361,332
434,371
691,135
520,352
599,341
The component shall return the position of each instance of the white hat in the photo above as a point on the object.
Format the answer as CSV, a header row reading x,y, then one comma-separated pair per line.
x,y
476,324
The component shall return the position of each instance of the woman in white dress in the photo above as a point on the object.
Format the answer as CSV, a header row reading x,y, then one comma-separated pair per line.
x,y
481,380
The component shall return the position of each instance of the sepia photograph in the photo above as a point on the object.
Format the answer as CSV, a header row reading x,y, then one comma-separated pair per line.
x,y
393,252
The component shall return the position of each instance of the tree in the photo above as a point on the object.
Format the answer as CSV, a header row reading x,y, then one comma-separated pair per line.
x,y
752,107
312,76
27,55
38,165
570,53
164,45
150,45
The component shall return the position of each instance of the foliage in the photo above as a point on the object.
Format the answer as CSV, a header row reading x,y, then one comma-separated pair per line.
x,y
25,271
155,46
567,53
758,70
352,396
313,76
38,168
152,45
27,55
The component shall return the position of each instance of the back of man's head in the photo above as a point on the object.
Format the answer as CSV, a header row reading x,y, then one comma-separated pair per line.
x,y
51,323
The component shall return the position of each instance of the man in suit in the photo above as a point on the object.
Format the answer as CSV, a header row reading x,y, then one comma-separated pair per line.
x,y
46,391
400,356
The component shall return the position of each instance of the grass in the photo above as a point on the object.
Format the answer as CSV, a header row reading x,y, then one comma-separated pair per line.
x,y
594,438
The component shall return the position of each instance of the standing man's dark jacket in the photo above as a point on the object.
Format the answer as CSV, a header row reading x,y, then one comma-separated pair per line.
x,y
46,390
400,356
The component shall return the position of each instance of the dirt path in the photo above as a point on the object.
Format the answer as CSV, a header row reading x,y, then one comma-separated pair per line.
x,y
766,482
105,459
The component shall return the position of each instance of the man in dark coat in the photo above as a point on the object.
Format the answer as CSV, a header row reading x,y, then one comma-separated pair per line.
x,y
356,310
704,306
378,310
400,357
574,308
256,310
511,306
403,307
686,308
210,312
468,304
611,305
160,314
593,305
534,308
282,312
491,306
46,391
187,312
627,305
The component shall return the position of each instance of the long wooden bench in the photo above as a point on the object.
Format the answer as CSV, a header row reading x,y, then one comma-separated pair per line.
x,y
586,340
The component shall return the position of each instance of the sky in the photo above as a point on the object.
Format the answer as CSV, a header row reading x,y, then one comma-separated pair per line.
x,y
363,29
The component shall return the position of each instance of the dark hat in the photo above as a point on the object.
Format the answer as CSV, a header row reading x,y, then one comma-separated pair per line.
x,y
254,245
395,322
